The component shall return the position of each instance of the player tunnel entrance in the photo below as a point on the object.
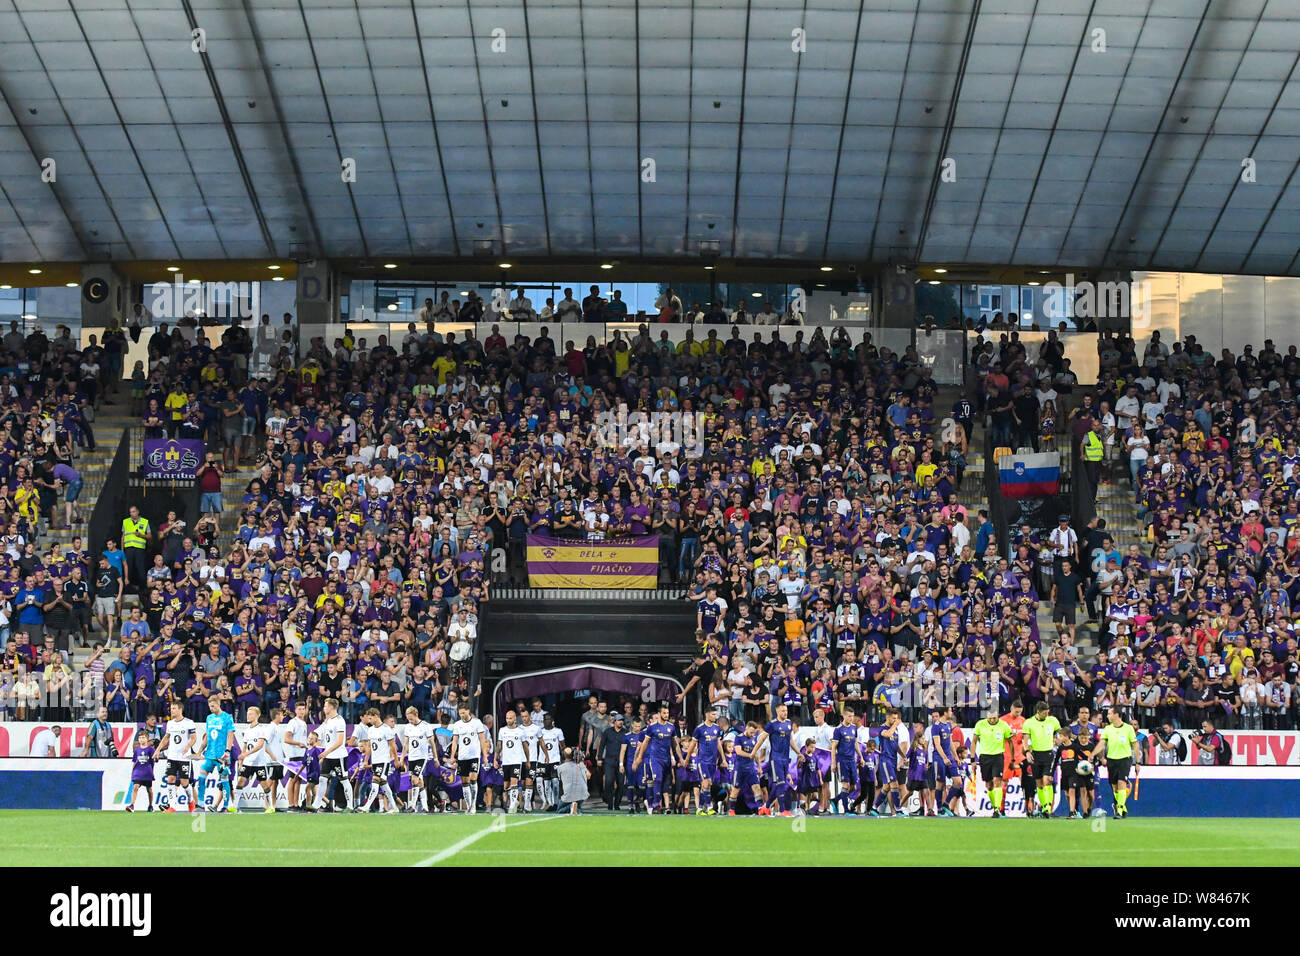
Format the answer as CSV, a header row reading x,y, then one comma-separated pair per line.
x,y
572,684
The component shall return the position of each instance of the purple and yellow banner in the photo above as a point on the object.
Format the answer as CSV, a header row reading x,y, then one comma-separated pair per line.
x,y
576,563
173,459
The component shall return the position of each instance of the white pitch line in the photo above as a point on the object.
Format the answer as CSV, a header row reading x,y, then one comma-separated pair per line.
x,y
473,838
199,849
897,851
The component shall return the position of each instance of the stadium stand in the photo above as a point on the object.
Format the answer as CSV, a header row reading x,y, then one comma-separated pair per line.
x,y
824,528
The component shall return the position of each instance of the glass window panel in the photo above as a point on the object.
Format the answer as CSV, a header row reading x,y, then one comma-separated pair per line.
x,y
1281,306
1244,296
1159,312
1200,312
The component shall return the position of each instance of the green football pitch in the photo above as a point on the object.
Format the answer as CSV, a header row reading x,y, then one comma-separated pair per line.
x,y
86,838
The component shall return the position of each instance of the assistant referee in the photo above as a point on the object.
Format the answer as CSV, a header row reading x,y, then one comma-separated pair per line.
x,y
991,736
1117,740
1042,729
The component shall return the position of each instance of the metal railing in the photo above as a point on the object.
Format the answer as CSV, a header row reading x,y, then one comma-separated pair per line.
x,y
587,594
1082,492
106,517
477,664
999,508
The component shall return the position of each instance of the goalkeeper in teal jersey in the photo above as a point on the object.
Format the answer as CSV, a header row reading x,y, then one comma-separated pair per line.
x,y
218,739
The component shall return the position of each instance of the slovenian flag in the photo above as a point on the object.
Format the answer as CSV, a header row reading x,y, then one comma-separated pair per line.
x,y
1030,476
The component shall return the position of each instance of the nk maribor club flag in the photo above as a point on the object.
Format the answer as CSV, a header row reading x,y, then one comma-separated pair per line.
x,y
575,563
1030,476
173,459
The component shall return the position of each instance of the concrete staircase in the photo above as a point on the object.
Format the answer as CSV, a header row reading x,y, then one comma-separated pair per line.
x,y
112,418
1116,504
232,491
110,422
1111,505
972,493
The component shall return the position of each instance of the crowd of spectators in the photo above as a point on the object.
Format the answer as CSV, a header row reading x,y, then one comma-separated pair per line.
x,y
1195,618
815,518
512,303
50,389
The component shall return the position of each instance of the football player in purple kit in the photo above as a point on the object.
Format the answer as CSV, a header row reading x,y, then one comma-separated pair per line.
x,y
656,753
627,758
844,752
746,776
892,742
704,750
947,771
778,732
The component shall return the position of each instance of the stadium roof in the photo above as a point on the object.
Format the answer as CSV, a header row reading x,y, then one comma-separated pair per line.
x,y
1064,154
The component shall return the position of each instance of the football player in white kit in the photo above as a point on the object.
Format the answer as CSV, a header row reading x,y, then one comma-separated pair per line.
x,y
531,735
180,737
272,781
381,751
419,750
513,748
468,745
550,744
294,747
822,734
255,760
334,750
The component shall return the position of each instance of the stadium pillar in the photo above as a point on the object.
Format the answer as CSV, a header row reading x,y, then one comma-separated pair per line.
x,y
317,303
105,295
1109,320
896,297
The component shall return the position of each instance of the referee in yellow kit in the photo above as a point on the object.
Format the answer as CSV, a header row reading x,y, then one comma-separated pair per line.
x,y
1117,740
1042,729
991,736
